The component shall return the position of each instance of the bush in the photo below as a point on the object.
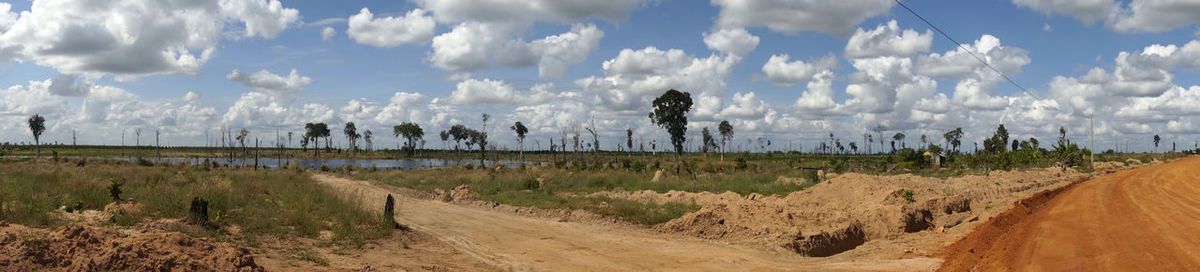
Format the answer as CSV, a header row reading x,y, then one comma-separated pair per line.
x,y
908,196
741,164
324,167
114,189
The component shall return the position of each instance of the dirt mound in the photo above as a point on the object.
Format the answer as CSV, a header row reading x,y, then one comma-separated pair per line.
x,y
878,207
460,193
79,247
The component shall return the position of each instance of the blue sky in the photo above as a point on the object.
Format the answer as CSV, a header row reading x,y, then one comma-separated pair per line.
x,y
1049,47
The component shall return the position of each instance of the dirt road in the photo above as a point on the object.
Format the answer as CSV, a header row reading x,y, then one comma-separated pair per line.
x,y
522,243
1146,219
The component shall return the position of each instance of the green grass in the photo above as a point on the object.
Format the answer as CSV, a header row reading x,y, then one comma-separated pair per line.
x,y
261,203
564,188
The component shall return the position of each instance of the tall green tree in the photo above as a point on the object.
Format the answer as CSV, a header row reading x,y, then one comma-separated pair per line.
x,y
726,131
899,137
411,133
954,139
37,125
520,130
351,133
1156,140
314,132
670,113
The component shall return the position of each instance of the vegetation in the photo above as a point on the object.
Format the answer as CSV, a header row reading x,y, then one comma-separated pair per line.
x,y
262,204
670,113
37,125
412,133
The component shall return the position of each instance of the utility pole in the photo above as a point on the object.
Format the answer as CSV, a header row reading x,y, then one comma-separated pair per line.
x,y
1092,138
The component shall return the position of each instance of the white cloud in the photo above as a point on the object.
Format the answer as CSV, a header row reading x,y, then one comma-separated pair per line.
x,y
412,28
1087,11
634,76
467,46
327,33
745,106
818,100
888,40
276,85
7,17
559,51
959,63
1156,15
784,73
833,17
1047,28
69,85
472,46
736,41
191,97
527,11
134,38
265,18
488,91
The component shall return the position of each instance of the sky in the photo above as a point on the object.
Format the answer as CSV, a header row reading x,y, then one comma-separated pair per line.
x,y
791,72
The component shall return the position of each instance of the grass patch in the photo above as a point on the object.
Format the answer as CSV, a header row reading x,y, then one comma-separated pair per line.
x,y
309,256
261,203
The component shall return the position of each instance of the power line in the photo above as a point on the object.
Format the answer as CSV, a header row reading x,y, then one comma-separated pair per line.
x,y
960,46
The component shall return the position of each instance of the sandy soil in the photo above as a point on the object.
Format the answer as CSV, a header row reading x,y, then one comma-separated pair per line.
x,y
1137,220
79,247
516,242
855,217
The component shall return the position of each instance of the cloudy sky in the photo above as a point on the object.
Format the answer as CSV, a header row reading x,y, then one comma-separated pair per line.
x,y
791,71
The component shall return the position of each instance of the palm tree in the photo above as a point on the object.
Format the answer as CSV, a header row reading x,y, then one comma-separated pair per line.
x,y
37,125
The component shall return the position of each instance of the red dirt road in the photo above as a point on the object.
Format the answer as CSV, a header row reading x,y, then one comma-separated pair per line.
x,y
1146,219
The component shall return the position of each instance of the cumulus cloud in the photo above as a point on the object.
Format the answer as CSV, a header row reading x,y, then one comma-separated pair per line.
x,y
473,46
488,91
833,17
134,38
783,72
745,106
1124,16
412,28
976,87
467,46
557,52
1087,11
888,40
634,76
736,41
69,85
276,85
1156,15
527,11
327,33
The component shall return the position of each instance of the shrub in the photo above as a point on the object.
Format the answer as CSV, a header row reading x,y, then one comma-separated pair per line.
x,y
908,196
468,166
324,167
114,189
741,164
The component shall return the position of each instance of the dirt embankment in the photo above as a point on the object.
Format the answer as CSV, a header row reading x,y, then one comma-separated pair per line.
x,y
79,247
1137,220
901,215
515,241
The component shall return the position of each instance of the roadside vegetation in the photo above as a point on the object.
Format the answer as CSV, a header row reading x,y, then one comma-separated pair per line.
x,y
259,204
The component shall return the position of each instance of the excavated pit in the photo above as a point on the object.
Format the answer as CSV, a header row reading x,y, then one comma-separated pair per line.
x,y
828,244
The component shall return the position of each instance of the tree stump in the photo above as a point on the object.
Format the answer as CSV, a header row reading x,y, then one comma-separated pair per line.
x,y
198,213
389,213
